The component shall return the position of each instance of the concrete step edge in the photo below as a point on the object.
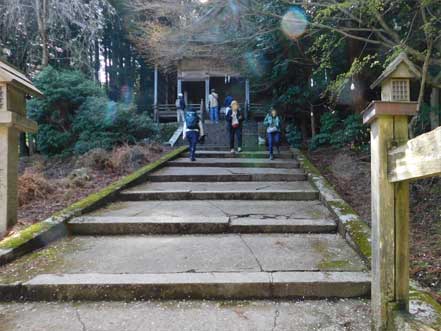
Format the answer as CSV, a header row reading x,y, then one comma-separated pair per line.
x,y
90,225
253,285
229,178
294,195
247,164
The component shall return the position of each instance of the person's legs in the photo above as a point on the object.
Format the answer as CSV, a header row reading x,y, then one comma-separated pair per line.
x,y
181,117
216,115
192,137
277,138
231,132
212,114
270,143
239,139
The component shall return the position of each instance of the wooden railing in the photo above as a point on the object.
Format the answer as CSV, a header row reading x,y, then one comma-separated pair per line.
x,y
256,108
168,111
394,161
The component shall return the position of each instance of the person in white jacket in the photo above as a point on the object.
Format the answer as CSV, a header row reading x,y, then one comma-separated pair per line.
x,y
193,131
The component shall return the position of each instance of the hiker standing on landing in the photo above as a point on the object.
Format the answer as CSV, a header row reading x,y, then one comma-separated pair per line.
x,y
234,119
180,108
193,131
273,124
213,100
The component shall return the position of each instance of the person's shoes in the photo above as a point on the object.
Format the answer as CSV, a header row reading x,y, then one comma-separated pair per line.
x,y
193,159
232,151
271,157
239,150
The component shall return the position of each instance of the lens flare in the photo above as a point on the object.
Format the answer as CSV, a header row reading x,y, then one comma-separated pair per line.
x,y
257,64
294,23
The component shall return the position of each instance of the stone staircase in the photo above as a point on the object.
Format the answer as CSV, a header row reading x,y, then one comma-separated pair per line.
x,y
227,227
216,137
252,230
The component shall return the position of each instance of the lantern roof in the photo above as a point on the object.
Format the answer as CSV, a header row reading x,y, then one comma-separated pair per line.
x,y
412,70
10,75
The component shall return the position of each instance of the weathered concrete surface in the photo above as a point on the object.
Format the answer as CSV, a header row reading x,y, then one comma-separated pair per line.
x,y
301,191
246,155
300,186
219,174
217,208
348,314
281,225
219,286
187,253
96,225
236,163
148,225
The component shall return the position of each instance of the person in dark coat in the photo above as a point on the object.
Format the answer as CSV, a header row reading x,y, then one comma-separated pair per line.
x,y
234,118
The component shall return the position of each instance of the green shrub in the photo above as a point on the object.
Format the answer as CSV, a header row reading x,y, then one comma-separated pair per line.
x,y
328,125
103,124
76,116
338,133
293,135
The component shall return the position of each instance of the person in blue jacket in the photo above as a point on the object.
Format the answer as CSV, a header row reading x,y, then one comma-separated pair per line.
x,y
273,125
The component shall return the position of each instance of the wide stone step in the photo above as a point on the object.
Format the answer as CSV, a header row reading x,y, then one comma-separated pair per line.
x,y
213,285
245,154
176,254
223,174
301,191
235,163
188,315
243,209
95,225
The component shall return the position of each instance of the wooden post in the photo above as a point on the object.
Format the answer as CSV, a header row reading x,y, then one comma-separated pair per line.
x,y
179,86
8,177
14,87
207,93
155,94
390,216
247,97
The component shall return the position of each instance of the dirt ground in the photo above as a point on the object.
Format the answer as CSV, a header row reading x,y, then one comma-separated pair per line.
x,y
349,172
47,185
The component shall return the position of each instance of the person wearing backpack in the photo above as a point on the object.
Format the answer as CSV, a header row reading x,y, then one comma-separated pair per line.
x,y
234,118
180,108
273,125
193,131
213,99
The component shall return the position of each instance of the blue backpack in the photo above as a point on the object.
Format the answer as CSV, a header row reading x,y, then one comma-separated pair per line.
x,y
192,120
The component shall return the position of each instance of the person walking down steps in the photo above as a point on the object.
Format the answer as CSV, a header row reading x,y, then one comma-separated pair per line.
x,y
193,131
213,99
273,125
234,118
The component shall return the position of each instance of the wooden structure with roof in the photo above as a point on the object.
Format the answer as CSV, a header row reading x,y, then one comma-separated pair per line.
x,y
198,64
15,87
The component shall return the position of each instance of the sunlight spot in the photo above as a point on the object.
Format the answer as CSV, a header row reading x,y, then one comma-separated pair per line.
x,y
294,23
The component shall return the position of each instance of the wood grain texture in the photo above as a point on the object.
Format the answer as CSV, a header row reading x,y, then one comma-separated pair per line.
x,y
383,222
401,191
418,158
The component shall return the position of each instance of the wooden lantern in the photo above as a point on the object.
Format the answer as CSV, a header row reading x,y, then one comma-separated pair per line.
x,y
14,89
